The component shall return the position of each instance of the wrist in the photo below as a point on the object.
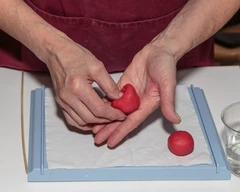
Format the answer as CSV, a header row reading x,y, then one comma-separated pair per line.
x,y
176,46
50,42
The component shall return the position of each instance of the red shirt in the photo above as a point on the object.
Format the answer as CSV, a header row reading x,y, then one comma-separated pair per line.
x,y
114,31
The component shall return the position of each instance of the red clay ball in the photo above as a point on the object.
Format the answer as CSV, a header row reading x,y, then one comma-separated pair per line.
x,y
181,143
130,100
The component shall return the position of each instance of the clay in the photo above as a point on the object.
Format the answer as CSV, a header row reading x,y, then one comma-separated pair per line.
x,y
181,143
129,102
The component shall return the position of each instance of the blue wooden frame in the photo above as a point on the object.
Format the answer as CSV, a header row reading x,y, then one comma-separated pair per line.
x,y
38,167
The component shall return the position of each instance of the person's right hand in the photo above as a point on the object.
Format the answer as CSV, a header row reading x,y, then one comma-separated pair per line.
x,y
73,69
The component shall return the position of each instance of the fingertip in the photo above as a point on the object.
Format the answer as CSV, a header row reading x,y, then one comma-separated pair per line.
x,y
108,85
171,115
113,96
175,119
97,140
111,143
122,118
117,115
98,127
112,91
95,131
178,118
115,139
105,132
120,94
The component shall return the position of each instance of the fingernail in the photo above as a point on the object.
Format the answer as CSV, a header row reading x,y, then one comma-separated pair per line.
x,y
94,131
178,117
105,100
122,118
120,94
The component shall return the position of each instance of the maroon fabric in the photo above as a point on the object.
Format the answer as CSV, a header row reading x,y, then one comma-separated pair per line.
x,y
114,31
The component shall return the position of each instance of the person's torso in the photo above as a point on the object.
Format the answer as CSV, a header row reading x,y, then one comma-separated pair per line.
x,y
114,31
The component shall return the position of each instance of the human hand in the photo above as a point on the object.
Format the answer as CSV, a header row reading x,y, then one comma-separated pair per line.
x,y
153,74
73,69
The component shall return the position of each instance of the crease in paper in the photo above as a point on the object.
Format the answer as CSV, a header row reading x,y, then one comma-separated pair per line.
x,y
146,146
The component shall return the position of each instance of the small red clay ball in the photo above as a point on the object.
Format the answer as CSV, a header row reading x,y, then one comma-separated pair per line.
x,y
181,143
129,102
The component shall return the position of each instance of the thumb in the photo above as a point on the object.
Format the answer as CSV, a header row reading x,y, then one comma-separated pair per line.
x,y
167,87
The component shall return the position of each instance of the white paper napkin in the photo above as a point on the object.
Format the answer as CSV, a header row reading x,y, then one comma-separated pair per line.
x,y
146,146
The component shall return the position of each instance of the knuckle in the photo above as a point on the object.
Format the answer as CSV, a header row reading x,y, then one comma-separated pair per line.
x,y
69,119
113,88
62,95
79,123
70,122
112,117
82,123
99,110
147,49
74,85
97,68
85,128
58,100
167,82
90,120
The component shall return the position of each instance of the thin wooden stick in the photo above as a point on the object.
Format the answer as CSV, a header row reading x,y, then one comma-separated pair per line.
x,y
22,125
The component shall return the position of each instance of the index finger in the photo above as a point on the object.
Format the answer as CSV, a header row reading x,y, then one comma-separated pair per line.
x,y
107,84
98,107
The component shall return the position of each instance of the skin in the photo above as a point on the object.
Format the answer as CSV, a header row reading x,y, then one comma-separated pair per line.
x,y
68,63
152,71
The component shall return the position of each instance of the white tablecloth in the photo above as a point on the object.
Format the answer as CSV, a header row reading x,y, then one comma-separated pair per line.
x,y
220,85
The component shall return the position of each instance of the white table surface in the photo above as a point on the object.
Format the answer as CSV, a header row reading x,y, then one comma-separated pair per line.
x,y
220,85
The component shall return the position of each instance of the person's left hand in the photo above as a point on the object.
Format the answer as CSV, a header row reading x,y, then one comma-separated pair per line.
x,y
153,74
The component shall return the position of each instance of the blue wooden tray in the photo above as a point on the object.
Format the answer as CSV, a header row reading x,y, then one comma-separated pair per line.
x,y
38,170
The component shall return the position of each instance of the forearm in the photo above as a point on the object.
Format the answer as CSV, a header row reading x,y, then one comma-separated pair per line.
x,y
22,23
195,23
